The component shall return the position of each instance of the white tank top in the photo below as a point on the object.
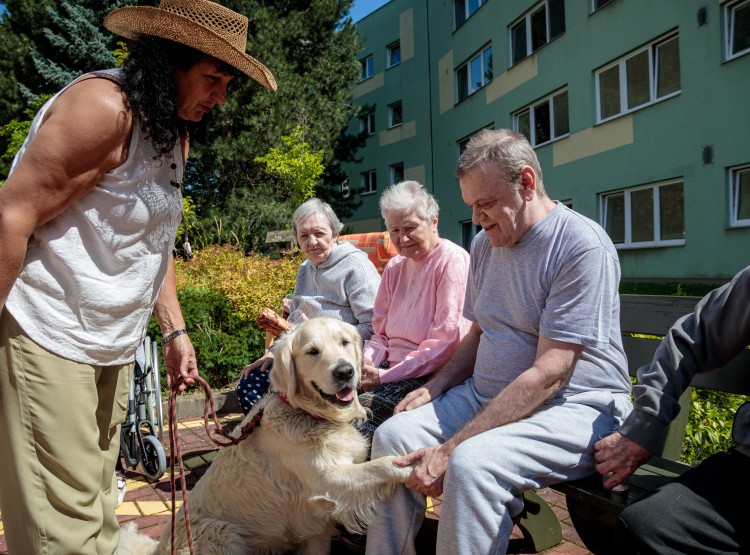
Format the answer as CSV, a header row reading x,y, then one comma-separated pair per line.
x,y
92,275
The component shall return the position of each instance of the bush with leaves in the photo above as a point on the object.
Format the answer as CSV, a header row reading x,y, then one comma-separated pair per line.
x,y
221,292
709,428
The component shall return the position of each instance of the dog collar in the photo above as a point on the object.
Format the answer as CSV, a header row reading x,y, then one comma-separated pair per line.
x,y
281,395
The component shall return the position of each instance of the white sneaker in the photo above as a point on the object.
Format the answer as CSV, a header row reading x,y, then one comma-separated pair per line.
x,y
122,487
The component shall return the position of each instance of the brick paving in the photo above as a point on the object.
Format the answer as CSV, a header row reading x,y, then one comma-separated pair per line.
x,y
149,504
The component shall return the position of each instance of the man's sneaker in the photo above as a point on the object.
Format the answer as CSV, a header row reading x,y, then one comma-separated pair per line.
x,y
122,487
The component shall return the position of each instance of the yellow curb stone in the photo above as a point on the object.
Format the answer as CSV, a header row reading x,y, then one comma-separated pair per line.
x,y
127,508
149,508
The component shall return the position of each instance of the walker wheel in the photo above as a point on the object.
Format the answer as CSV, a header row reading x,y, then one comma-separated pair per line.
x,y
153,459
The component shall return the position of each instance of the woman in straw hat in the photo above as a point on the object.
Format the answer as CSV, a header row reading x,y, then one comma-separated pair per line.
x,y
88,218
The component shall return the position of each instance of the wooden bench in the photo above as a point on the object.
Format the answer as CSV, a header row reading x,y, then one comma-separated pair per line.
x,y
594,510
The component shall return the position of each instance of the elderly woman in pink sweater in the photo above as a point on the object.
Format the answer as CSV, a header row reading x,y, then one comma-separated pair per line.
x,y
417,318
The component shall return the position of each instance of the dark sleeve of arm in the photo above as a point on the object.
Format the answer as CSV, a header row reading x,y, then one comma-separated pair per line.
x,y
703,341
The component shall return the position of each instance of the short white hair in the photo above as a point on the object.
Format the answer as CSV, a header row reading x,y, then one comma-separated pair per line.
x,y
409,196
316,206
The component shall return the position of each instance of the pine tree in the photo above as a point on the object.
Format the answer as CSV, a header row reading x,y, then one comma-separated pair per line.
x,y
311,47
78,40
44,44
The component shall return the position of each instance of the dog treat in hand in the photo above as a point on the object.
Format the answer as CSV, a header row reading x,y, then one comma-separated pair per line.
x,y
272,322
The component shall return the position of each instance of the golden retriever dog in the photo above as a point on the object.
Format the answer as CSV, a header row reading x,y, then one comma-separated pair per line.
x,y
303,471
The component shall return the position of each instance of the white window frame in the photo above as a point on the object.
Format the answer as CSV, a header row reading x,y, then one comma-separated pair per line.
x,y
391,114
367,123
653,50
368,68
628,243
468,10
390,49
369,182
525,20
531,110
735,196
392,170
485,74
730,11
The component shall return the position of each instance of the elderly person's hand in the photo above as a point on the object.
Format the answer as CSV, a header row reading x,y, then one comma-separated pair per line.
x,y
428,475
620,456
264,363
418,397
370,378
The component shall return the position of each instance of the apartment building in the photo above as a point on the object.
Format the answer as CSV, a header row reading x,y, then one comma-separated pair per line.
x,y
639,111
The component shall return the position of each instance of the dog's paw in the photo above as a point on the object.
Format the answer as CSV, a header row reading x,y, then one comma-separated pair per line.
x,y
398,473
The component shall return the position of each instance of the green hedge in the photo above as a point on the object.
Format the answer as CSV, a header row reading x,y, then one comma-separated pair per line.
x,y
221,292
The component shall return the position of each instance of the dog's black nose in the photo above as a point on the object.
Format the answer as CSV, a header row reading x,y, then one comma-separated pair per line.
x,y
343,373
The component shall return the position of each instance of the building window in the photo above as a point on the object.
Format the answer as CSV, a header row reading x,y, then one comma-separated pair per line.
x,y
367,124
651,216
536,28
544,121
737,18
597,4
396,173
367,68
394,54
469,230
369,182
465,9
567,202
649,75
475,73
739,195
395,114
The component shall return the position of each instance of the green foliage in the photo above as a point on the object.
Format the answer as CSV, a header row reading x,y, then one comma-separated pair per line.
x,y
14,134
221,293
224,342
311,48
709,428
44,44
677,289
294,165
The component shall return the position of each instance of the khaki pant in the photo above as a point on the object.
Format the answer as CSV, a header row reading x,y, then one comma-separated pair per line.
x,y
59,443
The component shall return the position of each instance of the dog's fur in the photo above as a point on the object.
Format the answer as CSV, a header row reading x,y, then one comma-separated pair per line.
x,y
285,487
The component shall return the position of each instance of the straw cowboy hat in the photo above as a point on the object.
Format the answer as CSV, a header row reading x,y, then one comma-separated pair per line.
x,y
200,24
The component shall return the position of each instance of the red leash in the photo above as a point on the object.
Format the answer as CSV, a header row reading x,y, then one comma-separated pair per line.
x,y
176,452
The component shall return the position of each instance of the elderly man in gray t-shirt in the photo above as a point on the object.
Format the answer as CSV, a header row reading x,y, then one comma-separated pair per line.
x,y
540,375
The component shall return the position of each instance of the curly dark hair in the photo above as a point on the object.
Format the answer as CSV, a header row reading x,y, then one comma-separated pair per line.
x,y
151,93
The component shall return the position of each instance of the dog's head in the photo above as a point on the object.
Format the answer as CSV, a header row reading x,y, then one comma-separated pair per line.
x,y
317,365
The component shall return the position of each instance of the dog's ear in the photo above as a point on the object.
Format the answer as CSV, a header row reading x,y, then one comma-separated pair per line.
x,y
283,374
357,341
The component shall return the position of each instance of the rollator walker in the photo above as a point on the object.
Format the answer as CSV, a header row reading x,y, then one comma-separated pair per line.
x,y
141,434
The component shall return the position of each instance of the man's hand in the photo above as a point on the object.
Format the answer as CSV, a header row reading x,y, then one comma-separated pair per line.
x,y
429,473
264,363
370,378
179,358
418,397
620,456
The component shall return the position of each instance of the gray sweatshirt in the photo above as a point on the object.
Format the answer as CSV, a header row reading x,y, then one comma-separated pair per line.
x,y
716,331
342,287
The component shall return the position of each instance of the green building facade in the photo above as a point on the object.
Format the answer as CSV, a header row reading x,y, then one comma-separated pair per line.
x,y
639,111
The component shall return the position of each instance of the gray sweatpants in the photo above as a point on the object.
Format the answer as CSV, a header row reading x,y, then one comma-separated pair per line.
x,y
488,473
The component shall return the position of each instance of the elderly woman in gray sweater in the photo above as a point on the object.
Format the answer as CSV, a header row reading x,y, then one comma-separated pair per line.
x,y
336,280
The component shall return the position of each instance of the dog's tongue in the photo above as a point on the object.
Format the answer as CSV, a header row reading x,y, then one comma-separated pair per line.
x,y
346,394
